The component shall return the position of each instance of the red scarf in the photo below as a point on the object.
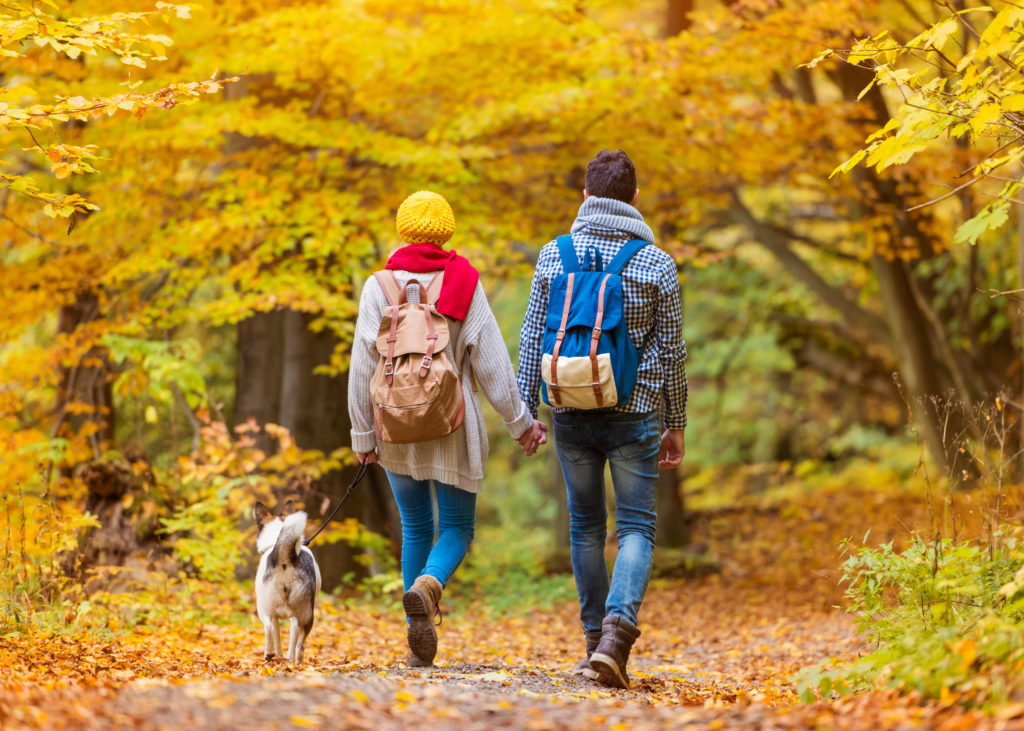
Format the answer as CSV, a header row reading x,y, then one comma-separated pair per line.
x,y
460,277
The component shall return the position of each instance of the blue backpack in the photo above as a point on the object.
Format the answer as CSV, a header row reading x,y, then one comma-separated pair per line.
x,y
588,361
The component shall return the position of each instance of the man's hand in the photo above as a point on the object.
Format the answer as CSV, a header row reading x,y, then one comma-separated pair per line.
x,y
533,437
368,457
673,447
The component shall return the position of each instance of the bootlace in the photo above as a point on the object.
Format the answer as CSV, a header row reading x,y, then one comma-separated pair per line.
x,y
437,614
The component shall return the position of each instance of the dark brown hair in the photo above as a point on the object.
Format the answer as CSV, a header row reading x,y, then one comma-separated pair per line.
x,y
611,175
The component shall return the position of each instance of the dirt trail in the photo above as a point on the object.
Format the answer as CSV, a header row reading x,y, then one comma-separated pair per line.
x,y
729,681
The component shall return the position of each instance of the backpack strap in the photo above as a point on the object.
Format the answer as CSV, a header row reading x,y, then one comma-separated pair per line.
x,y
428,356
568,251
594,338
553,386
428,297
392,291
428,309
389,283
434,290
629,249
570,263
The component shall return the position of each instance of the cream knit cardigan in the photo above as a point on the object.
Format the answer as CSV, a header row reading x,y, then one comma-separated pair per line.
x,y
458,458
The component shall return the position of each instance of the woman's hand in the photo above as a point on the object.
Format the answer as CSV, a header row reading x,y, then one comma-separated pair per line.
x,y
368,457
533,437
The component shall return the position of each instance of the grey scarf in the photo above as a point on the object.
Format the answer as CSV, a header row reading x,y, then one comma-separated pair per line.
x,y
612,213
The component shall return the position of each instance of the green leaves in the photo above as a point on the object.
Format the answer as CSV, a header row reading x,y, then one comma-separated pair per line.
x,y
992,218
158,368
938,614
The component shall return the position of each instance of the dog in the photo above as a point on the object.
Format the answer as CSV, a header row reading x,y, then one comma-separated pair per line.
x,y
287,580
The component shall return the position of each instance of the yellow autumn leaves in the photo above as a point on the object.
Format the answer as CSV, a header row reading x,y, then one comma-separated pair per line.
x,y
958,79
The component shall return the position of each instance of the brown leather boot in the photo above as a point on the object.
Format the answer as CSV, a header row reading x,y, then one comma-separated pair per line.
x,y
609,659
583,666
420,604
414,662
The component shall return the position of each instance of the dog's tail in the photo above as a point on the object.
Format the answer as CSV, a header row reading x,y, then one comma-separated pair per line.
x,y
289,540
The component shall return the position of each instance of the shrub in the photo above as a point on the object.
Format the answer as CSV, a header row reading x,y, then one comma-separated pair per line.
x,y
944,617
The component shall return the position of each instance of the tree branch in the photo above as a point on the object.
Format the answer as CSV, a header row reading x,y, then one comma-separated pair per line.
x,y
777,242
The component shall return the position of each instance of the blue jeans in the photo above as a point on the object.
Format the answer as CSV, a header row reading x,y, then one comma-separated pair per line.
x,y
456,519
630,444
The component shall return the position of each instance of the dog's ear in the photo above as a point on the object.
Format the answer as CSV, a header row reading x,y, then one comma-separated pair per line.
x,y
262,514
287,509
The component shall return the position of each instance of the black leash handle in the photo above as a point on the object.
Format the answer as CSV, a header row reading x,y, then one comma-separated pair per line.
x,y
359,475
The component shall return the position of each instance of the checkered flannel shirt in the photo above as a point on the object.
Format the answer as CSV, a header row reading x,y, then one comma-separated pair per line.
x,y
653,312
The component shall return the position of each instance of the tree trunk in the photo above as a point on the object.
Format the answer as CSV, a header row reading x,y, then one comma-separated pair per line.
x,y
89,385
677,16
671,522
914,352
939,425
258,374
1020,329
303,395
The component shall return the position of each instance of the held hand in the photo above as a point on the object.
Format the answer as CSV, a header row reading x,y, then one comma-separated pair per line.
x,y
673,447
543,436
533,437
368,457
530,438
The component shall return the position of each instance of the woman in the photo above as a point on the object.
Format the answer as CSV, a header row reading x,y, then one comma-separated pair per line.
x,y
454,463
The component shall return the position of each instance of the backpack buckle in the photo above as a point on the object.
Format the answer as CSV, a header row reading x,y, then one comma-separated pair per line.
x,y
427,360
389,369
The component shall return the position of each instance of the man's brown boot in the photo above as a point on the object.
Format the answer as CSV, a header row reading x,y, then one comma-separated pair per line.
x,y
583,666
609,659
420,604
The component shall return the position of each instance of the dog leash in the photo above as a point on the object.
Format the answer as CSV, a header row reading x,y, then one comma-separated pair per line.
x,y
359,475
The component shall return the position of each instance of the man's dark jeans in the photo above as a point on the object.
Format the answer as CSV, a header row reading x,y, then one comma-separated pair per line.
x,y
630,444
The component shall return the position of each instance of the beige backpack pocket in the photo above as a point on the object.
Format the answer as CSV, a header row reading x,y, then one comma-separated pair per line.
x,y
576,386
421,409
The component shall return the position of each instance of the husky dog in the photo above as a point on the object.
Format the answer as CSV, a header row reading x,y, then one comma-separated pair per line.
x,y
287,580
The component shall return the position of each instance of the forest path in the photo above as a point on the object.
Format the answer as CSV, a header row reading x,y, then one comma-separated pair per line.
x,y
716,652
725,662
733,677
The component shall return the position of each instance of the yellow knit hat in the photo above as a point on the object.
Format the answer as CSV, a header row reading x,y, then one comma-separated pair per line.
x,y
425,216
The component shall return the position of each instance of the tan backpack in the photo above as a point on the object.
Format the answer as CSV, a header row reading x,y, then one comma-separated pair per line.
x,y
417,395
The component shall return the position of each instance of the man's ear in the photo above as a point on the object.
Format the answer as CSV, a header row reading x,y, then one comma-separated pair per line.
x,y
288,509
636,197
262,514
585,194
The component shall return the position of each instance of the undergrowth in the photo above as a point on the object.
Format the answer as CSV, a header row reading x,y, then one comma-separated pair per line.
x,y
944,613
193,509
504,572
943,617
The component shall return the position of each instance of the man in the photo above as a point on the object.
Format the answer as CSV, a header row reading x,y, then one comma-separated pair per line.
x,y
637,438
